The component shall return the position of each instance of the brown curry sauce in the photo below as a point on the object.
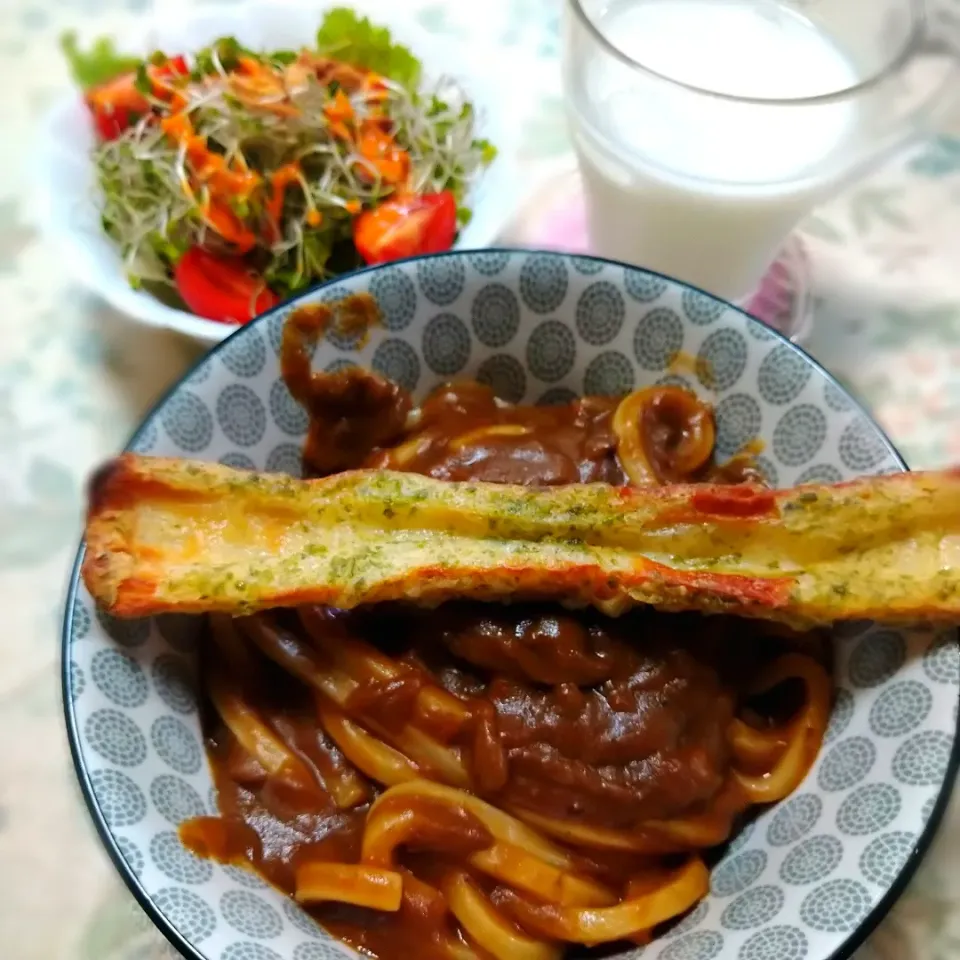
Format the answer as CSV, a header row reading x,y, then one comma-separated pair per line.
x,y
575,716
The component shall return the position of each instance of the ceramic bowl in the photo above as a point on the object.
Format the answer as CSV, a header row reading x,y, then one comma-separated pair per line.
x,y
808,878
67,198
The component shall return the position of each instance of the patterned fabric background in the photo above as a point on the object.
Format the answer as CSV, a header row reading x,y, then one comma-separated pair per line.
x,y
75,380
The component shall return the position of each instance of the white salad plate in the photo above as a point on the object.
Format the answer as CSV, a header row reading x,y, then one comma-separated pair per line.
x,y
67,194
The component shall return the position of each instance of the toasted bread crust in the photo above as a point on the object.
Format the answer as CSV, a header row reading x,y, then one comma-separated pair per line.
x,y
173,535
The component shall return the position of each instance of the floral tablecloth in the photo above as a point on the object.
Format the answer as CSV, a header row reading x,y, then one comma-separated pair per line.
x,y
75,379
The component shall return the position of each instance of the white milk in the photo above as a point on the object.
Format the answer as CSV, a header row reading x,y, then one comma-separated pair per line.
x,y
693,186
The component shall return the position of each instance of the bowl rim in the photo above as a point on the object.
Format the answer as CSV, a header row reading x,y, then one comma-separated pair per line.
x,y
856,937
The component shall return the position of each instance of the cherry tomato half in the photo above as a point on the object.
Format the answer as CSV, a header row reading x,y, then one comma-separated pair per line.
x,y
406,226
221,288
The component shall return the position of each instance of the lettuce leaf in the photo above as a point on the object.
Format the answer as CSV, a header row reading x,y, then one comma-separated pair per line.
x,y
102,62
357,41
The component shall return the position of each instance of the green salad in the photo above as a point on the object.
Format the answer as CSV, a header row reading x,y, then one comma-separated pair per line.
x,y
232,178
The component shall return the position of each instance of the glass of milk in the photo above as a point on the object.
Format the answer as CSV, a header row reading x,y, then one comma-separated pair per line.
x,y
707,129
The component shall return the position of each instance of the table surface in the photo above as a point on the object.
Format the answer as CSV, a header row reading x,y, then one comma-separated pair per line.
x,y
75,379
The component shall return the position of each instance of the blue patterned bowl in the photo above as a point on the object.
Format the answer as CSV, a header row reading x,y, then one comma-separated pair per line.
x,y
808,879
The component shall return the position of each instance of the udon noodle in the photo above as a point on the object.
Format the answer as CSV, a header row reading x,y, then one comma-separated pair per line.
x,y
499,781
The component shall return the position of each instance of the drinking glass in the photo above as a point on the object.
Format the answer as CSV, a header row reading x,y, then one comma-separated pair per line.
x,y
705,130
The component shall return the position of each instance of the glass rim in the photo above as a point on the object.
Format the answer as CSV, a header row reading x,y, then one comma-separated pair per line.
x,y
913,42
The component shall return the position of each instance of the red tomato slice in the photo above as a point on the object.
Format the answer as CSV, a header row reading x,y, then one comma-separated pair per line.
x,y
118,104
110,122
406,226
173,67
221,288
161,74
